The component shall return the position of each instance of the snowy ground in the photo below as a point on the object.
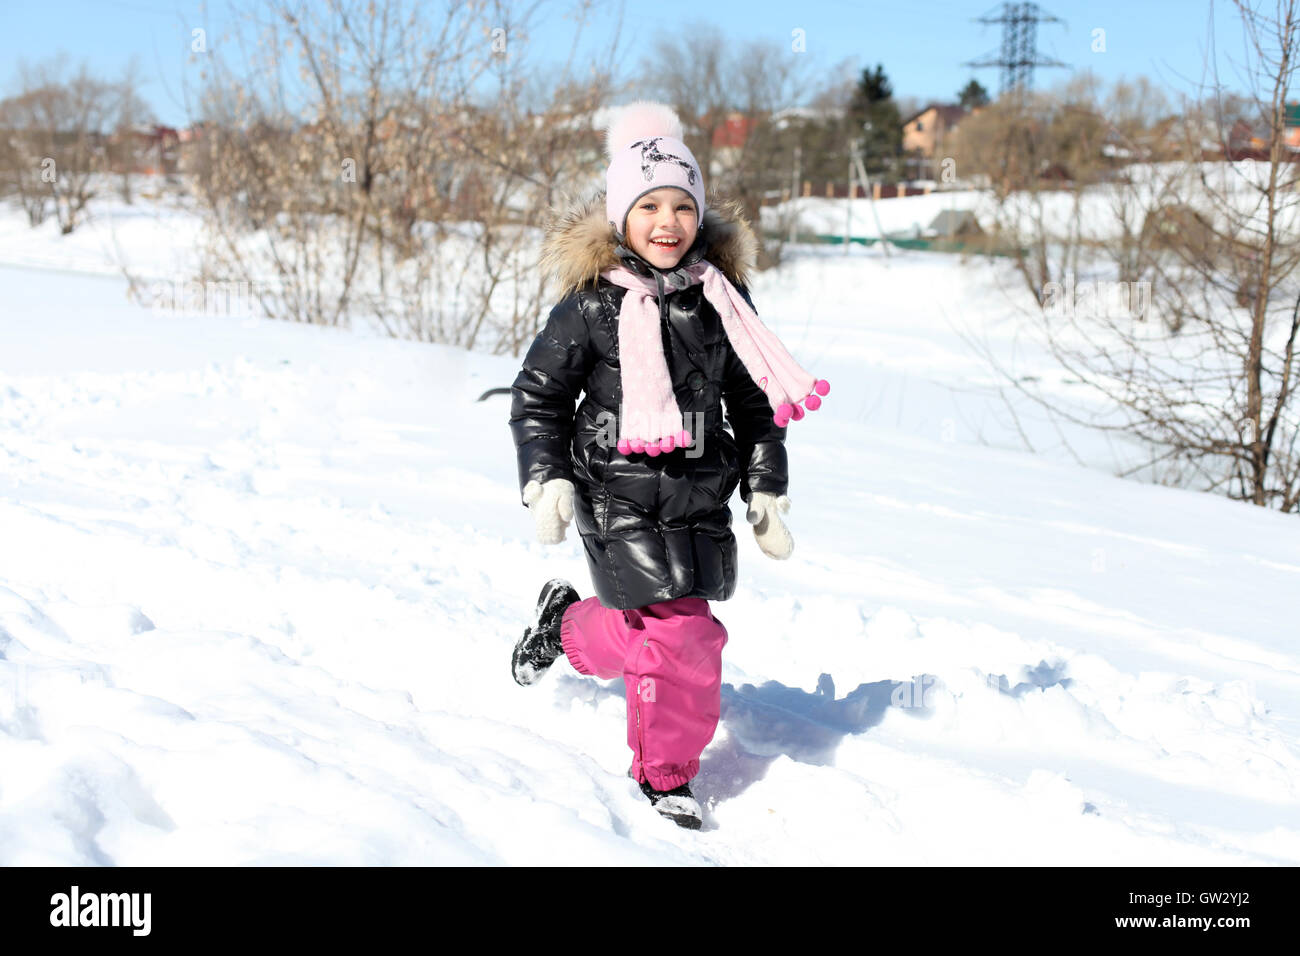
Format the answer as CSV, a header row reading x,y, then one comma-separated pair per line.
x,y
259,585
1098,215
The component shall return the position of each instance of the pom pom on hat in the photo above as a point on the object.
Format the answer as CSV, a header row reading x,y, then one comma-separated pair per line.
x,y
641,120
661,159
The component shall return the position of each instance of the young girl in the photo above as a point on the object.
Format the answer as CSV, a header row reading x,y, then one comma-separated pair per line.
x,y
656,331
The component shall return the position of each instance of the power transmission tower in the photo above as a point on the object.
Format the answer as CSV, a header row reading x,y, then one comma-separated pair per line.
x,y
1019,53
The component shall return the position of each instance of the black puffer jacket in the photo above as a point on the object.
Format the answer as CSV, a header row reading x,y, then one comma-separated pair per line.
x,y
653,528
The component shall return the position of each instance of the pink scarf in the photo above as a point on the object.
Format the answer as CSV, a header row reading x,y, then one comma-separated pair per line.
x,y
649,419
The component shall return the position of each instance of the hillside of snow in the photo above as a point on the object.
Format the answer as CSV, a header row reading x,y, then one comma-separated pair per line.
x,y
1099,214
259,585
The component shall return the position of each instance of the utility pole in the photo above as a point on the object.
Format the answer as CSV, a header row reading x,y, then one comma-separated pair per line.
x,y
848,204
858,172
794,192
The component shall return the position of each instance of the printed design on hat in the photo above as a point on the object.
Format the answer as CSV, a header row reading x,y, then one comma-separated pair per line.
x,y
651,156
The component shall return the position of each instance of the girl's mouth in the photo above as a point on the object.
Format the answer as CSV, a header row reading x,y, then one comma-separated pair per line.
x,y
665,242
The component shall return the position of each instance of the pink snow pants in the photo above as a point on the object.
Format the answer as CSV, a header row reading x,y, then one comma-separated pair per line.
x,y
670,658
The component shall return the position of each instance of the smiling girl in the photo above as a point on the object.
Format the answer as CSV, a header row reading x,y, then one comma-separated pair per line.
x,y
656,332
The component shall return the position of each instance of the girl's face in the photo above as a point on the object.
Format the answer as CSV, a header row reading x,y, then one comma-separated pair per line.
x,y
662,225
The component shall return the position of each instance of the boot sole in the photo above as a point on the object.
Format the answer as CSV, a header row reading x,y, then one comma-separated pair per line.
x,y
525,673
689,818
687,821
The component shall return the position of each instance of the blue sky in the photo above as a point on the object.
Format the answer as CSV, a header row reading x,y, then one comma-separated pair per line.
x,y
922,43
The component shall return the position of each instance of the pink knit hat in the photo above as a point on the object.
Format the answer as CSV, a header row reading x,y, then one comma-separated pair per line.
x,y
646,152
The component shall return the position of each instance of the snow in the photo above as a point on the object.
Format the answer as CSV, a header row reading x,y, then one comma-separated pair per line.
x,y
1097,216
260,583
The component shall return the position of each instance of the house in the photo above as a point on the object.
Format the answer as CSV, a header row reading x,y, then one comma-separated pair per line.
x,y
954,223
728,141
1250,141
151,150
1292,121
800,115
925,135
1198,135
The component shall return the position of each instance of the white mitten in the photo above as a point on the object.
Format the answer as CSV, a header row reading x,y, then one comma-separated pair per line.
x,y
551,505
764,513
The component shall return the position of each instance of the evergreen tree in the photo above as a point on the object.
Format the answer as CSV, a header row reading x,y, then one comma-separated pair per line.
x,y
972,95
873,117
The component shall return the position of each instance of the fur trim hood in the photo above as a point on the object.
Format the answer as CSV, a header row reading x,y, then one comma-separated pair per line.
x,y
580,244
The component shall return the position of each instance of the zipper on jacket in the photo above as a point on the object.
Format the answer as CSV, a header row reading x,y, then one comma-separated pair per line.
x,y
663,304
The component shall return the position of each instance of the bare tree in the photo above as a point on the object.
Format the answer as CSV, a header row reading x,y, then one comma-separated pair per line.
x,y
729,102
21,164
404,177
1041,153
129,113
690,75
1209,390
57,131
1138,125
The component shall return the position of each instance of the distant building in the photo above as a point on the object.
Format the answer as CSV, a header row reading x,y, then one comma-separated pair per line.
x,y
925,135
151,150
782,119
728,142
1250,141
954,223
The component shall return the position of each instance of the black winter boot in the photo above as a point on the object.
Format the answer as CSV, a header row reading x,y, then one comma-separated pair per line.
x,y
677,804
540,645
